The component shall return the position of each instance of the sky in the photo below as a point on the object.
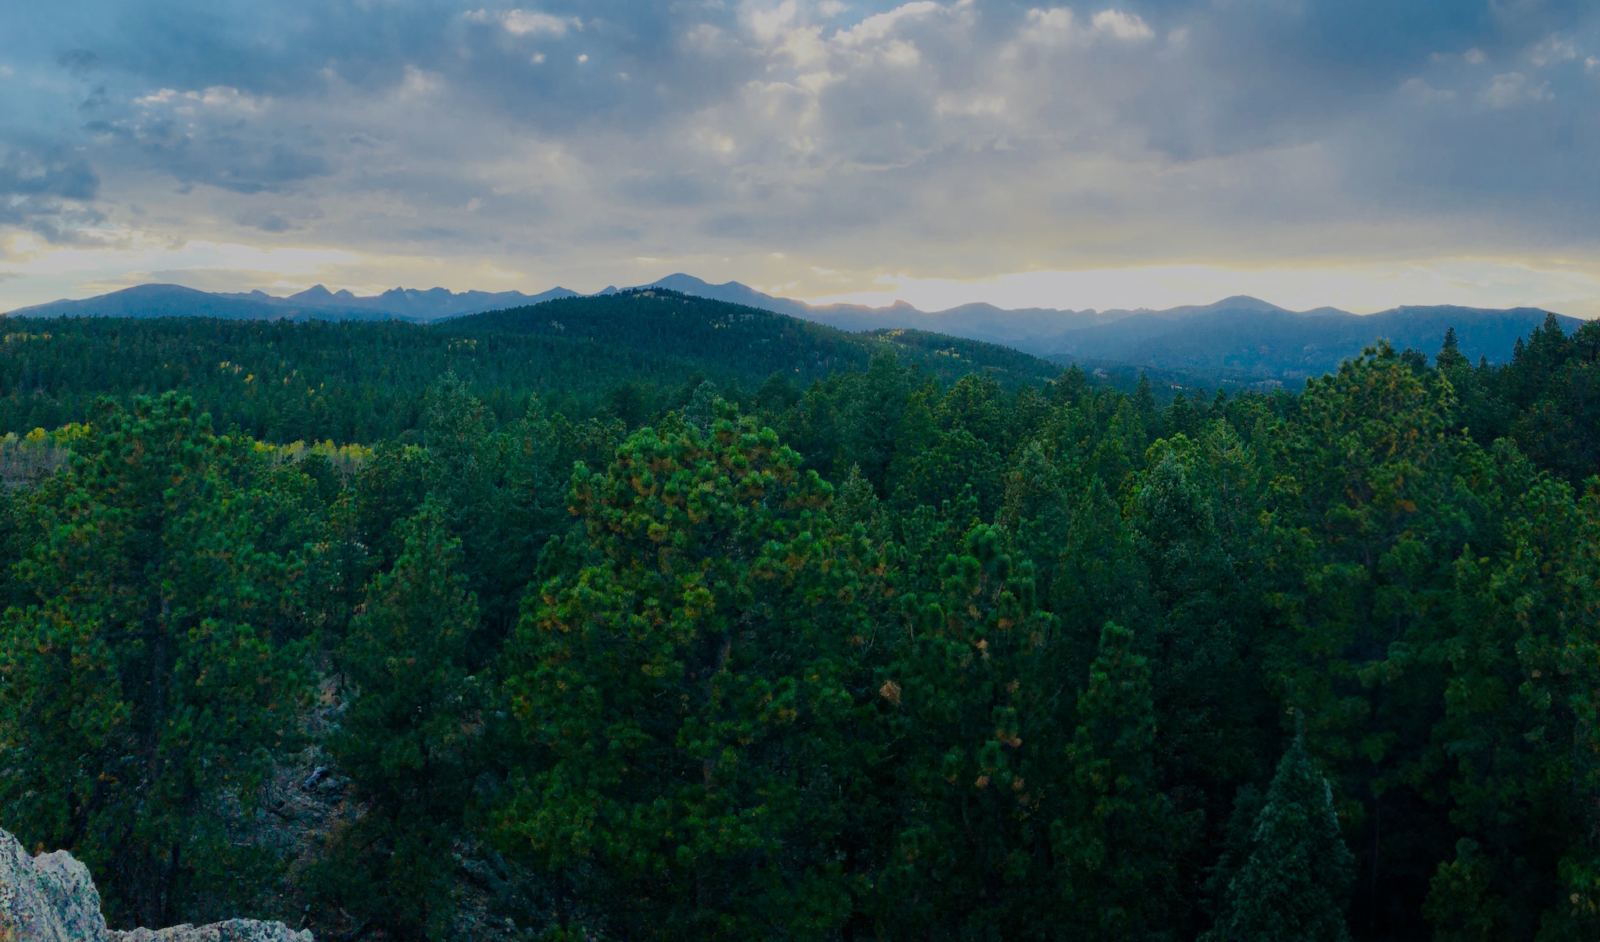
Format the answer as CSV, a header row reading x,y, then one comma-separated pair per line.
x,y
1354,153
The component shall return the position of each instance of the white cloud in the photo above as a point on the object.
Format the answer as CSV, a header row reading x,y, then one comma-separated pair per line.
x,y
1127,27
1475,57
7,71
527,22
1592,65
1059,26
1514,88
223,96
1050,27
768,23
1553,50
418,82
878,27
1418,90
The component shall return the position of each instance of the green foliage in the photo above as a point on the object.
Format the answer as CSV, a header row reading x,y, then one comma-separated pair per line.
x,y
683,689
364,382
1296,871
1121,837
897,647
150,676
407,738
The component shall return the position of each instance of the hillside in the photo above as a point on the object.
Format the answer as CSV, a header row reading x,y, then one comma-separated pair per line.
x,y
1238,341
629,353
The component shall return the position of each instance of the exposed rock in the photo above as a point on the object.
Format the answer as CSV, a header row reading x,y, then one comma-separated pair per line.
x,y
48,898
51,898
234,930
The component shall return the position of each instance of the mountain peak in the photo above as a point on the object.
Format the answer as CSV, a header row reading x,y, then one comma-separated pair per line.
x,y
678,281
1241,302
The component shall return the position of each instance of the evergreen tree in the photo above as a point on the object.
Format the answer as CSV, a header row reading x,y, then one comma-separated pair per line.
x,y
150,678
405,741
1144,406
1121,839
1449,357
701,410
680,689
1293,884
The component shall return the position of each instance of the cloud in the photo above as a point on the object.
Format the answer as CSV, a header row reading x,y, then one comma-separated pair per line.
x,y
1553,50
1124,26
78,61
47,192
880,26
936,138
1060,26
527,22
1513,88
265,221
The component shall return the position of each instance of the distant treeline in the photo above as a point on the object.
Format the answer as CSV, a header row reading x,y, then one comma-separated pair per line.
x,y
631,355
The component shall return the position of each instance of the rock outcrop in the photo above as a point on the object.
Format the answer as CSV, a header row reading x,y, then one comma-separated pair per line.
x,y
51,898
234,930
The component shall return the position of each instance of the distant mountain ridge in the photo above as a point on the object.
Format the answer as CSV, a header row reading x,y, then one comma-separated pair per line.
x,y
408,303
1239,336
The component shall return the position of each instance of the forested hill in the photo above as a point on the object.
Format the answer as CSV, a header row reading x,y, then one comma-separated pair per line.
x,y
1237,341
631,354
860,655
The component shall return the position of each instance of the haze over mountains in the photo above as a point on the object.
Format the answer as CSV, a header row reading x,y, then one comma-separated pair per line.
x,y
1238,336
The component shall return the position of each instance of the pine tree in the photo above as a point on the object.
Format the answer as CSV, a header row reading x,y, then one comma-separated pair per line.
x,y
701,410
405,740
1450,356
1121,839
1294,883
678,687
1144,405
151,672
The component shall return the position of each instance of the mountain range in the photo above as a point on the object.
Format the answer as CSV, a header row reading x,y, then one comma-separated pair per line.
x,y
1238,337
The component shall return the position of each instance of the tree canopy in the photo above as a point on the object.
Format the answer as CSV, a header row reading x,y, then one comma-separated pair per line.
x,y
679,622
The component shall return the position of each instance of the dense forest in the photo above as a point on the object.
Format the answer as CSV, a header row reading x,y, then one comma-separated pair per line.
x,y
627,354
724,627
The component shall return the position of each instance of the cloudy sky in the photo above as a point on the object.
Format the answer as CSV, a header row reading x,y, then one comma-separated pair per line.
x,y
1361,153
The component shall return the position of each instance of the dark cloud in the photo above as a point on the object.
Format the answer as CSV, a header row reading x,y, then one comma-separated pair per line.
x,y
78,61
266,222
46,192
915,131
56,175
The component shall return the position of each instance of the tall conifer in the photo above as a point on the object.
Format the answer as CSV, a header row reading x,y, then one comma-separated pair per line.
x,y
1294,883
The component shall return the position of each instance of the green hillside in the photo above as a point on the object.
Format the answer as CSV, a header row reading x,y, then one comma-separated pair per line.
x,y
630,354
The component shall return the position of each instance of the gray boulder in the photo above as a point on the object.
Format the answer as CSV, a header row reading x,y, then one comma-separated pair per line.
x,y
51,898
234,930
